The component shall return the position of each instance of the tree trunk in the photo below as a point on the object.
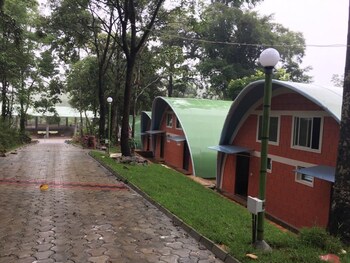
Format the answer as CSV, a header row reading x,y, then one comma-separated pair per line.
x,y
170,86
114,120
3,100
339,222
124,143
22,122
101,98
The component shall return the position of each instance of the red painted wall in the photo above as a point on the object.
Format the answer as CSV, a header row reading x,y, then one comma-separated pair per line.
x,y
287,200
173,151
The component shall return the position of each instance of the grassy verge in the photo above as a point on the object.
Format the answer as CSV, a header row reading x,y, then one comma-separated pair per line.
x,y
212,215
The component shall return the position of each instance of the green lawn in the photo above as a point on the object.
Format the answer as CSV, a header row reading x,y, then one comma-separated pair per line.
x,y
212,215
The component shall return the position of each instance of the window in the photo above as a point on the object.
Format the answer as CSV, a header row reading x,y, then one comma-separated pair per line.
x,y
273,132
169,120
307,132
178,124
304,178
269,165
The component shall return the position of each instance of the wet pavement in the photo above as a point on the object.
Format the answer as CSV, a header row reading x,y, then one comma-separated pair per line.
x,y
86,215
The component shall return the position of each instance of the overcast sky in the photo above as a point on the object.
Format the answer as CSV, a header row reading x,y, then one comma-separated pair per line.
x,y
322,22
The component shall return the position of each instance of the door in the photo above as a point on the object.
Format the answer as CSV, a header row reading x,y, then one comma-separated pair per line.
x,y
162,146
186,157
242,174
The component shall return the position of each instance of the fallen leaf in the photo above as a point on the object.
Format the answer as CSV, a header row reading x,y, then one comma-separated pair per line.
x,y
251,256
44,187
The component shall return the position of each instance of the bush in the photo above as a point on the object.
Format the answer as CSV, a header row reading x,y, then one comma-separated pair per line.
x,y
318,237
10,137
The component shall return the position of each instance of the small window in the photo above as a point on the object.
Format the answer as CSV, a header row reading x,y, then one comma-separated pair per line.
x,y
307,132
269,165
169,120
304,178
273,132
178,124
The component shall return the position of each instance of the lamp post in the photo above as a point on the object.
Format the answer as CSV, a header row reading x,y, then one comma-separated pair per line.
x,y
109,100
268,59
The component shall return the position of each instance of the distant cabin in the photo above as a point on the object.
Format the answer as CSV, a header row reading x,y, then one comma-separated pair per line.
x,y
181,131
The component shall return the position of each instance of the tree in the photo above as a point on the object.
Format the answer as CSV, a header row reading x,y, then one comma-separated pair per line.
x,y
81,86
93,26
137,20
337,80
23,69
233,40
10,39
339,223
235,86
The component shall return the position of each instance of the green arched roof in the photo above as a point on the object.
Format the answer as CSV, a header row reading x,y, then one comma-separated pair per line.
x,y
202,121
328,98
145,120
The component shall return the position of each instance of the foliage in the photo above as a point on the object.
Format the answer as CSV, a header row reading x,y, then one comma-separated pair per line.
x,y
10,137
318,237
81,84
338,80
68,28
233,41
137,19
217,218
235,86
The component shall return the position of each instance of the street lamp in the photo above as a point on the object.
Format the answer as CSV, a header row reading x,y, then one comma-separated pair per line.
x,y
109,100
268,59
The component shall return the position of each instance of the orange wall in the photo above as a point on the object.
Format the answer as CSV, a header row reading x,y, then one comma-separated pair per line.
x,y
290,201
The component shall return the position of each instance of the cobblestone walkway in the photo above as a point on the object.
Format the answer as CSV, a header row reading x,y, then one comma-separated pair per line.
x,y
86,215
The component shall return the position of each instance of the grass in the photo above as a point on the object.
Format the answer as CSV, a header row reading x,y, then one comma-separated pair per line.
x,y
214,216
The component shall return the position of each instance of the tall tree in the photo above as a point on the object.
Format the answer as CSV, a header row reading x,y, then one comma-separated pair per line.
x,y
10,40
90,25
339,223
137,19
233,39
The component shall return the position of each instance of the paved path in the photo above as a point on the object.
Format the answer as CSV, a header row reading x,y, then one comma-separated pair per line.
x,y
86,215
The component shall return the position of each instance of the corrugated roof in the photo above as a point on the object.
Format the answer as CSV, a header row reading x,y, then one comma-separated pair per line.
x,y
202,121
328,98
63,109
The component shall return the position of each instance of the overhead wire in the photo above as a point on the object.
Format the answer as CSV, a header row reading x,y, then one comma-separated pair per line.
x,y
253,44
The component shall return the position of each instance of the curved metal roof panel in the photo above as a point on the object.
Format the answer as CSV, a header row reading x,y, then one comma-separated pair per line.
x,y
328,98
145,120
201,121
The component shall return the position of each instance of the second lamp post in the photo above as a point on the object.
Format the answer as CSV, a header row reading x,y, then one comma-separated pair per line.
x,y
109,100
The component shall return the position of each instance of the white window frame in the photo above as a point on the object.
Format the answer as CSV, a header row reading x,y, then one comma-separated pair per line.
x,y
178,122
166,119
299,178
304,148
278,128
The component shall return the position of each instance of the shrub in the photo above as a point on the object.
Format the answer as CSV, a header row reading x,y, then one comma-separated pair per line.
x,y
318,237
10,137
